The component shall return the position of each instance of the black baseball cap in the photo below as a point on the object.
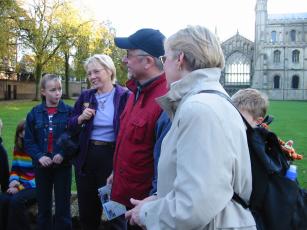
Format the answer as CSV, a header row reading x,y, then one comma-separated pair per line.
x,y
149,40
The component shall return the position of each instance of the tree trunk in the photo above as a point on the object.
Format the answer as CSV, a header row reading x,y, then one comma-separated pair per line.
x,y
66,75
38,74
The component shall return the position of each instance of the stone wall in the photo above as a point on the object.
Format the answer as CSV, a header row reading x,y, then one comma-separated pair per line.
x,y
11,90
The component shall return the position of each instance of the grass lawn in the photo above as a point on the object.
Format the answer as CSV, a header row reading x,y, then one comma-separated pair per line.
x,y
290,123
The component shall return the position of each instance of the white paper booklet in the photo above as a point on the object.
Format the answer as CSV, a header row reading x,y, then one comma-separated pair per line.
x,y
111,209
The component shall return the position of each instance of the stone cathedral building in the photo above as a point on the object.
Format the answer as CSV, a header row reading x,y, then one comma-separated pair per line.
x,y
276,62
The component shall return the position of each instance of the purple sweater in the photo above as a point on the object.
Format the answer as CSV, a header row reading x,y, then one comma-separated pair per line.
x,y
87,98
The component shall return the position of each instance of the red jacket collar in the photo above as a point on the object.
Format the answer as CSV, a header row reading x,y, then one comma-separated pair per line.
x,y
132,84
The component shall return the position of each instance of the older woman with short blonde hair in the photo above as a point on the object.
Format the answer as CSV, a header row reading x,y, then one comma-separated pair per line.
x,y
105,61
96,114
204,157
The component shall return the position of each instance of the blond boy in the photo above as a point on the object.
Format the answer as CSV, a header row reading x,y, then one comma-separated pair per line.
x,y
252,104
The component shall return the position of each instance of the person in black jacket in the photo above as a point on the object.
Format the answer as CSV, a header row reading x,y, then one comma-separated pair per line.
x,y
4,165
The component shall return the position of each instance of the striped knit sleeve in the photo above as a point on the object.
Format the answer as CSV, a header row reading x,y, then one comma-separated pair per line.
x,y
22,170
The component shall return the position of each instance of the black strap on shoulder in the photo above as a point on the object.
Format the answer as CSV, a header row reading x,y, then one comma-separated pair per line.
x,y
249,127
235,196
218,93
239,200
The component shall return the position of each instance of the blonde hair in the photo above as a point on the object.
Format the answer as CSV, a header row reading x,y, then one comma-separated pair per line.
x,y
104,60
252,101
200,47
48,77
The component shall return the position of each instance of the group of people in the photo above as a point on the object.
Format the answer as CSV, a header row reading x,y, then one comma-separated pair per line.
x,y
173,153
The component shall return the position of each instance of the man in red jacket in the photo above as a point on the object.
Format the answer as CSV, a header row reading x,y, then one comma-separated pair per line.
x,y
134,161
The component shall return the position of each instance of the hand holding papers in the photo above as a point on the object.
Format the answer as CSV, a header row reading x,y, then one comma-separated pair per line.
x,y
111,209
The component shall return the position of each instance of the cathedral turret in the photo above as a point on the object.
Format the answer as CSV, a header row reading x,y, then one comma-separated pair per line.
x,y
261,19
260,64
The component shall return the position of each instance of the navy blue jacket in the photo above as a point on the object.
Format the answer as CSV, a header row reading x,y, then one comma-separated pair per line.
x,y
37,130
88,99
162,127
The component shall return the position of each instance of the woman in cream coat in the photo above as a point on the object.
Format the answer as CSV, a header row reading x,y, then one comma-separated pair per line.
x,y
204,157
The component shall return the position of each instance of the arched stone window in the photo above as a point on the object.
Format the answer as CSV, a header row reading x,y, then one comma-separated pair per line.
x,y
276,56
293,35
237,69
295,82
276,82
273,36
295,56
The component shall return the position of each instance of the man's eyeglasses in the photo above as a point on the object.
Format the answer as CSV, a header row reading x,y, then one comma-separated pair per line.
x,y
129,55
162,59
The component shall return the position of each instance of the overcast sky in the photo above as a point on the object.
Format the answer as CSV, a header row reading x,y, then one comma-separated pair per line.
x,y
168,16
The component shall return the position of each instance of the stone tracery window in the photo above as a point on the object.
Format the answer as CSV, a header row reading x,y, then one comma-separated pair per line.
x,y
276,82
295,56
295,82
237,69
276,56
293,35
273,36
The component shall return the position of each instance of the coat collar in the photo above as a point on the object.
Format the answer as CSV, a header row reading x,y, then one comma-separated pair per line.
x,y
61,107
132,84
192,83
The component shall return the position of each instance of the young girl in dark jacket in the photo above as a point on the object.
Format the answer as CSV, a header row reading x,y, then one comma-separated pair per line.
x,y
44,124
